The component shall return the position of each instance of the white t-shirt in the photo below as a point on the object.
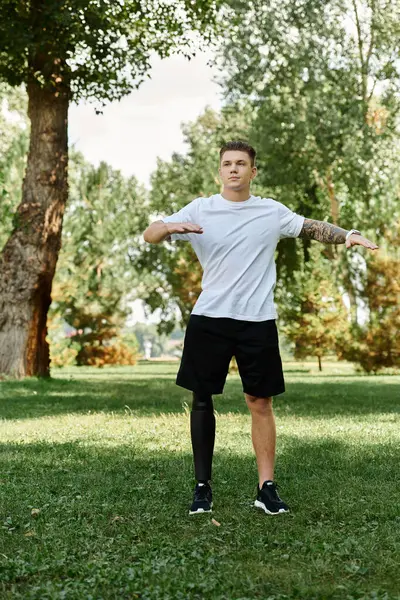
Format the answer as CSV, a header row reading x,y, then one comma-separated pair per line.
x,y
236,252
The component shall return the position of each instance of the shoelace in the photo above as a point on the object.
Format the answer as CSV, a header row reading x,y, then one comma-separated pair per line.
x,y
276,493
274,490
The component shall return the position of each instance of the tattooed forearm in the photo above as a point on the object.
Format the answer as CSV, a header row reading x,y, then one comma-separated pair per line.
x,y
323,232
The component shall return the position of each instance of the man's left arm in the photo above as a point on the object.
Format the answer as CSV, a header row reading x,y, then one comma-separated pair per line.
x,y
332,234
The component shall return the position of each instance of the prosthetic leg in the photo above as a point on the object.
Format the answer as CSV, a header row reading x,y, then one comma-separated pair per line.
x,y
202,430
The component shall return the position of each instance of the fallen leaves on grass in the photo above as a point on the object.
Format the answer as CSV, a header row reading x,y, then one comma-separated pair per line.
x,y
29,533
117,518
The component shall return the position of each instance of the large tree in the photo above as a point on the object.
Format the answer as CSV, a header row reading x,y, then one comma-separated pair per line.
x,y
324,80
64,50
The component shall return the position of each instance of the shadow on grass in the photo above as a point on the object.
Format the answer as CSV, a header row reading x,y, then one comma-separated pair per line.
x,y
34,398
319,476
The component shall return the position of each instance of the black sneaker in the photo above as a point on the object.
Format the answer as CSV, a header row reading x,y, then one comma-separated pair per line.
x,y
202,499
268,499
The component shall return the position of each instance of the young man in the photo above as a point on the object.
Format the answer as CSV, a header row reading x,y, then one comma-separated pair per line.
x,y
234,236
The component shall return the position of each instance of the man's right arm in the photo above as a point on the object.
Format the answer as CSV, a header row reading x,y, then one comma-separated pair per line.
x,y
159,231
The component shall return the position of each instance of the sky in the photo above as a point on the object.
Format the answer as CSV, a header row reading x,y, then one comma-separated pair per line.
x,y
132,133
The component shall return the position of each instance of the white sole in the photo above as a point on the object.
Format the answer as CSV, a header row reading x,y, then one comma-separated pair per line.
x,y
261,505
200,511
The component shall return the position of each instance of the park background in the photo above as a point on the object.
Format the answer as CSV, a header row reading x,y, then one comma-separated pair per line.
x,y
93,428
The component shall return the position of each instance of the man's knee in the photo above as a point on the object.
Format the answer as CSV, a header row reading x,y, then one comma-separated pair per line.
x,y
259,405
202,402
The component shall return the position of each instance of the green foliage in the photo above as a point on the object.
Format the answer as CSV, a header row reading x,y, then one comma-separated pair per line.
x,y
313,312
63,353
98,350
323,79
63,348
13,148
98,49
376,344
94,278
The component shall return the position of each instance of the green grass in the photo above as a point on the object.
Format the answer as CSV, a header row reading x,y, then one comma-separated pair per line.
x,y
105,456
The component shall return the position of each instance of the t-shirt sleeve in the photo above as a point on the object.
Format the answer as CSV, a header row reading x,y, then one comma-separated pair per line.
x,y
290,222
187,214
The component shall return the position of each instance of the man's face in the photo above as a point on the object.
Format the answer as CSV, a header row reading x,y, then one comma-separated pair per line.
x,y
235,170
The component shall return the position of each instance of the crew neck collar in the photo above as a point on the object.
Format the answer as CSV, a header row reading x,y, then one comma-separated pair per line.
x,y
233,203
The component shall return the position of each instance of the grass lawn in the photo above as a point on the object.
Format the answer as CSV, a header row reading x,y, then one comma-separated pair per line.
x,y
96,479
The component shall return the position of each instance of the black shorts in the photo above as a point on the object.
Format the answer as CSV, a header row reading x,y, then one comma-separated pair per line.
x,y
210,343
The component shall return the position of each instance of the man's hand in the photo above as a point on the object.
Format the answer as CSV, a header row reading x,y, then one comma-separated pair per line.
x,y
184,228
358,240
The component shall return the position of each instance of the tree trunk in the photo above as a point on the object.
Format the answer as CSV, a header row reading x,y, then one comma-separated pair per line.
x,y
350,289
28,260
306,209
319,363
332,197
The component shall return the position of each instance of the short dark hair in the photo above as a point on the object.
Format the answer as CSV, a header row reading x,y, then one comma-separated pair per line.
x,y
242,147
